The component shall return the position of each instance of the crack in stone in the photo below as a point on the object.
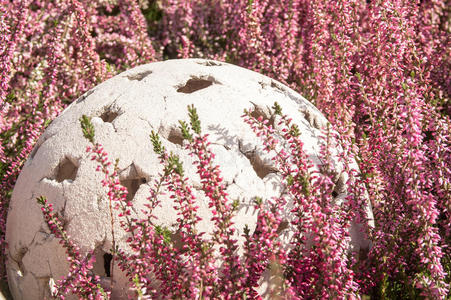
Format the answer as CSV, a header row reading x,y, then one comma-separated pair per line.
x,y
114,127
63,210
32,243
85,95
148,123
44,282
20,254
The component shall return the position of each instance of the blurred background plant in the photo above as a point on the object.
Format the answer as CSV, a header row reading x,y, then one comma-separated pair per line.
x,y
378,70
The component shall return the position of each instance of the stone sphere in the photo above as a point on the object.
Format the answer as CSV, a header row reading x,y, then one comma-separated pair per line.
x,y
124,111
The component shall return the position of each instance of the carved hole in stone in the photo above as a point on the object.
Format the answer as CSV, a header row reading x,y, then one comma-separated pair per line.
x,y
107,259
259,112
66,170
195,84
176,239
312,119
139,76
209,63
175,136
109,116
260,167
132,185
340,186
282,226
102,265
131,178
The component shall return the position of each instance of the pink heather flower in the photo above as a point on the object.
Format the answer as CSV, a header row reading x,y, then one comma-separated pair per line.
x,y
378,71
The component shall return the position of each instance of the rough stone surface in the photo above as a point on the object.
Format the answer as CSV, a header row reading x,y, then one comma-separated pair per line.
x,y
124,110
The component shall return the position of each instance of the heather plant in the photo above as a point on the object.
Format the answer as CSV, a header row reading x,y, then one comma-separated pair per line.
x,y
79,281
52,52
378,70
188,267
369,67
320,270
